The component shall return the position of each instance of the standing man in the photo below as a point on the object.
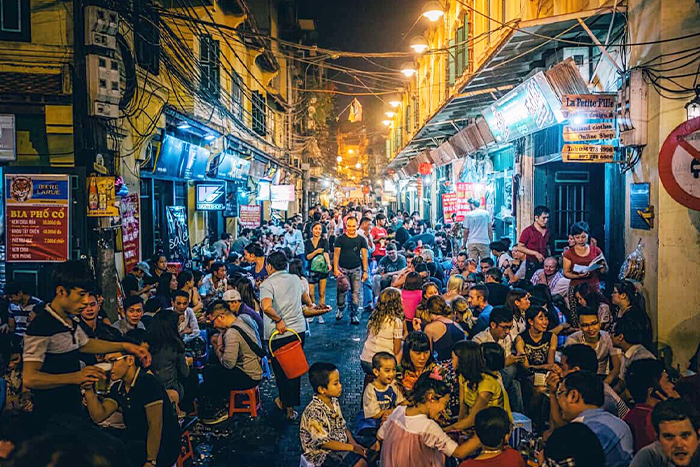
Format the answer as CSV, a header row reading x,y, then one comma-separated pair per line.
x,y
281,296
52,343
478,232
534,241
350,259
294,240
379,235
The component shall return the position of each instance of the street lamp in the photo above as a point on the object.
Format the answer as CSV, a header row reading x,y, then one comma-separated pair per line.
x,y
358,166
351,151
419,44
395,101
339,159
433,11
408,69
386,122
390,114
693,107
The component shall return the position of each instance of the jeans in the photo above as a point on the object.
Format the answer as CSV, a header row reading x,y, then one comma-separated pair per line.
x,y
355,278
512,386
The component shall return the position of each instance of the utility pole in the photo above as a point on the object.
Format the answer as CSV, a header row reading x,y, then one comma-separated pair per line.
x,y
90,139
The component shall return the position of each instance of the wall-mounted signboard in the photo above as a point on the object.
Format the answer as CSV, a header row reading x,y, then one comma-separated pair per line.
x,y
588,153
210,196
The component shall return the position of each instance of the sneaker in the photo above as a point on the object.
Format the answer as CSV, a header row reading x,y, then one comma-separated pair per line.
x,y
355,320
339,315
321,320
219,416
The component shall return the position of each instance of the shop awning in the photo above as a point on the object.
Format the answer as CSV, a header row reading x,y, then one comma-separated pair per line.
x,y
520,53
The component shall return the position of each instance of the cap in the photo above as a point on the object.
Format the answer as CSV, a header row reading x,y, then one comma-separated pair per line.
x,y
143,266
232,296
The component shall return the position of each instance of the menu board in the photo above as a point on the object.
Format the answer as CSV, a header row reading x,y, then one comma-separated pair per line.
x,y
37,217
130,230
250,215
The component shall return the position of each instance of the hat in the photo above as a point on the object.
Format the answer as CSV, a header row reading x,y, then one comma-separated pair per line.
x,y
143,266
232,296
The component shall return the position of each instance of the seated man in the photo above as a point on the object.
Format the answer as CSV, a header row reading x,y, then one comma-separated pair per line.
x,y
581,397
152,429
20,308
678,437
93,327
485,264
497,290
649,384
627,336
133,312
499,331
251,317
187,324
481,308
459,265
552,276
239,355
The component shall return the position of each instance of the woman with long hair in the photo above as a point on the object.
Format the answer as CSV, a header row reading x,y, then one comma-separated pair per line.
x,y
167,284
168,354
246,288
442,330
253,254
386,328
517,302
185,281
455,285
422,317
416,359
317,253
628,302
477,367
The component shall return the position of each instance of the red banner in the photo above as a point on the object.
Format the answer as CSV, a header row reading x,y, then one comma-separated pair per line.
x,y
249,215
130,230
37,213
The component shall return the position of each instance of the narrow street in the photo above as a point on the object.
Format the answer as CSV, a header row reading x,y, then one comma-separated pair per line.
x,y
269,439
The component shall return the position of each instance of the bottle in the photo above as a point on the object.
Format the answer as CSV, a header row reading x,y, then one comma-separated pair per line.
x,y
93,198
102,197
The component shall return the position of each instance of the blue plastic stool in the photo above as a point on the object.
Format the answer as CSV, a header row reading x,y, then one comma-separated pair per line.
x,y
267,374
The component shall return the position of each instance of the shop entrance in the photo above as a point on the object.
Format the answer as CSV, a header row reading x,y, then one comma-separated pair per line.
x,y
573,193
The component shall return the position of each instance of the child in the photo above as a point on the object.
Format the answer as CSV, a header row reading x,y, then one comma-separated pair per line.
x,y
381,395
325,438
411,436
493,429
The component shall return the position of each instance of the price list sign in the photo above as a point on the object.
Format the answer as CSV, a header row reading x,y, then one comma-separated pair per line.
x,y
37,217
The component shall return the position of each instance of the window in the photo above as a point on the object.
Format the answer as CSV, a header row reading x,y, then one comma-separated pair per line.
x,y
14,20
259,116
236,102
147,38
209,66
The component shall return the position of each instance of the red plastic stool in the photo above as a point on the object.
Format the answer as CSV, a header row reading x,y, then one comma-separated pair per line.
x,y
186,451
246,401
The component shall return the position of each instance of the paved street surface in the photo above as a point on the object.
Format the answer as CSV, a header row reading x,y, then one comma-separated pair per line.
x,y
270,440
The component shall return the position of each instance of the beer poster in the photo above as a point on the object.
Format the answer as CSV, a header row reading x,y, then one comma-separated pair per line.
x,y
101,194
130,230
37,217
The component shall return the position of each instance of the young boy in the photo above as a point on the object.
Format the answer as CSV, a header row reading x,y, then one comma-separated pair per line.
x,y
493,429
381,395
325,438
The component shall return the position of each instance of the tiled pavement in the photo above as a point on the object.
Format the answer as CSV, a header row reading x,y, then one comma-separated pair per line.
x,y
270,440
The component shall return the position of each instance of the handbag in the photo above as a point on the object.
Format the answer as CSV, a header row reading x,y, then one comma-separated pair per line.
x,y
319,264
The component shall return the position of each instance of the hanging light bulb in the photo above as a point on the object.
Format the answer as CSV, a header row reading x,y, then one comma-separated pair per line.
x,y
408,69
419,44
390,114
358,166
395,101
433,11
339,159
693,107
386,122
351,151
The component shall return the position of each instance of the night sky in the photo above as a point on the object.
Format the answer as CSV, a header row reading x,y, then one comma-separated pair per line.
x,y
364,26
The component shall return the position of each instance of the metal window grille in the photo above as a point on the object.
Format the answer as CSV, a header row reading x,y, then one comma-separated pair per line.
x,y
209,66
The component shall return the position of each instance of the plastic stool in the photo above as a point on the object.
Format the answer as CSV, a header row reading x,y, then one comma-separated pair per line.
x,y
265,364
248,402
186,451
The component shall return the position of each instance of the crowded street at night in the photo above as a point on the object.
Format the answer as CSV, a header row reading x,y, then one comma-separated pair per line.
x,y
335,233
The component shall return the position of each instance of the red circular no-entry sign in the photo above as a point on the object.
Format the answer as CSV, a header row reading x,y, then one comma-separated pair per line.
x,y
679,164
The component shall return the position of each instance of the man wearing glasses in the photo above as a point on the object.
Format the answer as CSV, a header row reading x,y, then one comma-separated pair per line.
x,y
499,331
152,429
609,357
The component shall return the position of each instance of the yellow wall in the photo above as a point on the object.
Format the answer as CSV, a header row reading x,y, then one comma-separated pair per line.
x,y
672,247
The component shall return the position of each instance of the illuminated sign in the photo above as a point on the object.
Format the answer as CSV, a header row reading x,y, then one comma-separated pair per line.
x,y
233,168
528,108
282,193
211,196
587,153
589,132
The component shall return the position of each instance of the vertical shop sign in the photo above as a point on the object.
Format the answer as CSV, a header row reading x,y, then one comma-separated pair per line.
x,y
101,196
130,230
250,215
38,217
449,206
178,235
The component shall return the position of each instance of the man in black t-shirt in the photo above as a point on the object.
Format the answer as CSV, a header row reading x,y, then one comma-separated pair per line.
x,y
402,234
152,429
350,260
131,284
497,290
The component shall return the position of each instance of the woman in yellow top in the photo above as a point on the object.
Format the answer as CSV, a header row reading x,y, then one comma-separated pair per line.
x,y
480,386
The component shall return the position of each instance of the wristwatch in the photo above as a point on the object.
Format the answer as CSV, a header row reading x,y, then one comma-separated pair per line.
x,y
151,461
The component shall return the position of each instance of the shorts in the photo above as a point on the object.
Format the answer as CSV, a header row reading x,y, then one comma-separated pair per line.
x,y
341,459
316,277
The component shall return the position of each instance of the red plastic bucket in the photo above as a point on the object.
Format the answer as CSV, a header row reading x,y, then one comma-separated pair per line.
x,y
290,357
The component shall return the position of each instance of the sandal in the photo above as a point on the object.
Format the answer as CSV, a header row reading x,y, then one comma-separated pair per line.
x,y
278,404
291,416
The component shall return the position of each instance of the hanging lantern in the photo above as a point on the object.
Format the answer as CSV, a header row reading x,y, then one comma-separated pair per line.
x,y
425,168
365,189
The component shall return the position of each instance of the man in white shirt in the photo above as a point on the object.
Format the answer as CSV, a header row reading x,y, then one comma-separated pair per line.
x,y
600,341
187,324
478,231
627,336
294,240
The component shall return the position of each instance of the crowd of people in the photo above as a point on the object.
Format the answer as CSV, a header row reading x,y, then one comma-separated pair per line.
x,y
477,350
